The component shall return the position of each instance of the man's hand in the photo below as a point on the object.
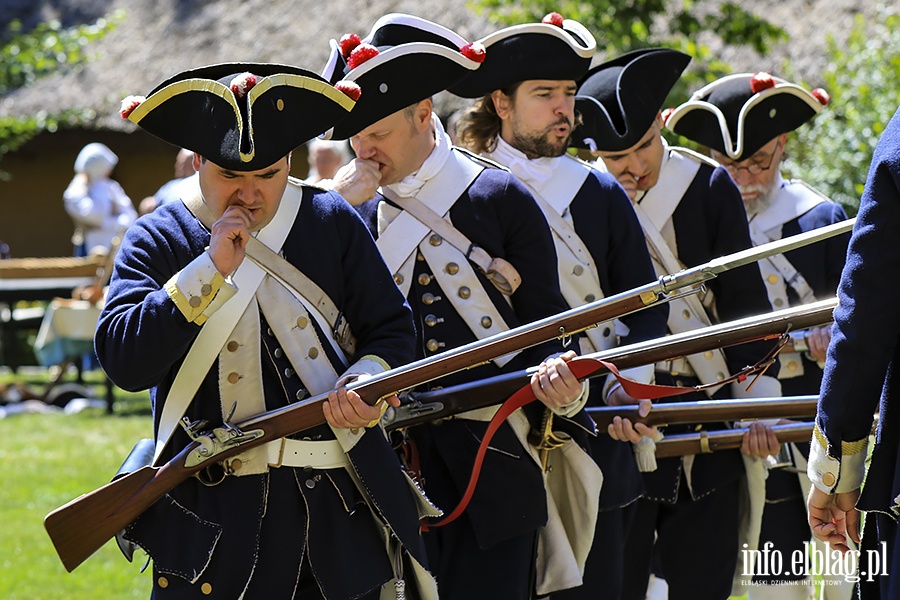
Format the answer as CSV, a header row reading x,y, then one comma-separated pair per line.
x,y
346,410
228,239
818,339
624,430
357,181
760,441
833,517
554,384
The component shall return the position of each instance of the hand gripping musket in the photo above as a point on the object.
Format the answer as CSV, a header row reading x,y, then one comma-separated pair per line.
x,y
729,439
421,407
82,526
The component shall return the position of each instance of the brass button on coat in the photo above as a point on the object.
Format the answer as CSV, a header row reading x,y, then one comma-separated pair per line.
x,y
301,394
195,301
302,322
464,292
233,377
590,298
278,353
486,322
686,314
419,255
233,346
452,268
288,373
313,352
773,278
205,289
429,298
578,270
435,240
398,279
778,302
162,582
206,588
433,345
424,279
431,320
828,479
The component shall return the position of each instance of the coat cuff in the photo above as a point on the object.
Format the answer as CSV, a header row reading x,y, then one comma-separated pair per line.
x,y
198,290
836,475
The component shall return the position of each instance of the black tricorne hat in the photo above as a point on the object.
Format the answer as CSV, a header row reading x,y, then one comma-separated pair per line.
x,y
557,51
240,116
403,60
619,99
739,114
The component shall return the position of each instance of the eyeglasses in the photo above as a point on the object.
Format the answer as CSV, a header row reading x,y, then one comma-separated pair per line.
x,y
753,168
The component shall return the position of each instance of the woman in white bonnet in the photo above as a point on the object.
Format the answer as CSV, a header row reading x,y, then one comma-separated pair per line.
x,y
97,204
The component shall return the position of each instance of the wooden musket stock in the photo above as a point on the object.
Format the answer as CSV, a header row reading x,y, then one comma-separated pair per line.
x,y
728,439
421,407
82,526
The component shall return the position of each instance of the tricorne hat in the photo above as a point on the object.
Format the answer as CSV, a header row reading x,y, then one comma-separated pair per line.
x,y
403,60
240,116
556,49
739,114
619,99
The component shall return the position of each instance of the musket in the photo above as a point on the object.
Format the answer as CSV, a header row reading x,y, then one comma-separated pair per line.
x,y
705,442
421,407
82,526
709,411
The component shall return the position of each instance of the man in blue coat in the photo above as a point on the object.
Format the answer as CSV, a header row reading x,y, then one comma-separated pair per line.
x,y
524,119
691,212
219,339
470,251
744,119
860,381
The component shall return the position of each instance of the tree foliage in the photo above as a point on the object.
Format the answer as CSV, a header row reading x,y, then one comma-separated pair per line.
x,y
26,56
833,152
624,25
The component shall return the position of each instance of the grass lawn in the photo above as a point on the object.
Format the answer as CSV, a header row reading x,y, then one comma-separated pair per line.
x,y
47,460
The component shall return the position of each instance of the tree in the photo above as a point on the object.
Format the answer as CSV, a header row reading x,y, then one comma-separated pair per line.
x,y
834,151
26,56
624,25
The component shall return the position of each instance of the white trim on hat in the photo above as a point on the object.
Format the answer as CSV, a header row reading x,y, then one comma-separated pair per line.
x,y
562,33
412,48
418,23
735,150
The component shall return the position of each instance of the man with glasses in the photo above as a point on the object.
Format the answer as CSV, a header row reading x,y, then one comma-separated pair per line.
x,y
744,119
691,212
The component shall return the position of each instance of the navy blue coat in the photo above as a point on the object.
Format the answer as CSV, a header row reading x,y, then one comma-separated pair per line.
x,y
498,214
861,375
608,226
141,341
710,221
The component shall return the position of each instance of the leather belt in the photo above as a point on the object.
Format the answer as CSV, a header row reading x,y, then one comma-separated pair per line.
x,y
677,367
326,454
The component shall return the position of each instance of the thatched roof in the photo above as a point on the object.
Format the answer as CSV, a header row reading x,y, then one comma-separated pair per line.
x,y
160,37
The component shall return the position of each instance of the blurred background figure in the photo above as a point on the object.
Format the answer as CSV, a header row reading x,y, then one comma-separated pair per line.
x,y
97,204
184,168
325,158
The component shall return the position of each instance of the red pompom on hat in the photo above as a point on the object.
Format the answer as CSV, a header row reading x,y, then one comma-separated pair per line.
x,y
761,81
129,103
361,54
553,18
474,51
348,42
349,88
242,84
821,95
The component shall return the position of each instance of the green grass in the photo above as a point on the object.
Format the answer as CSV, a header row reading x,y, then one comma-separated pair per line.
x,y
45,461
